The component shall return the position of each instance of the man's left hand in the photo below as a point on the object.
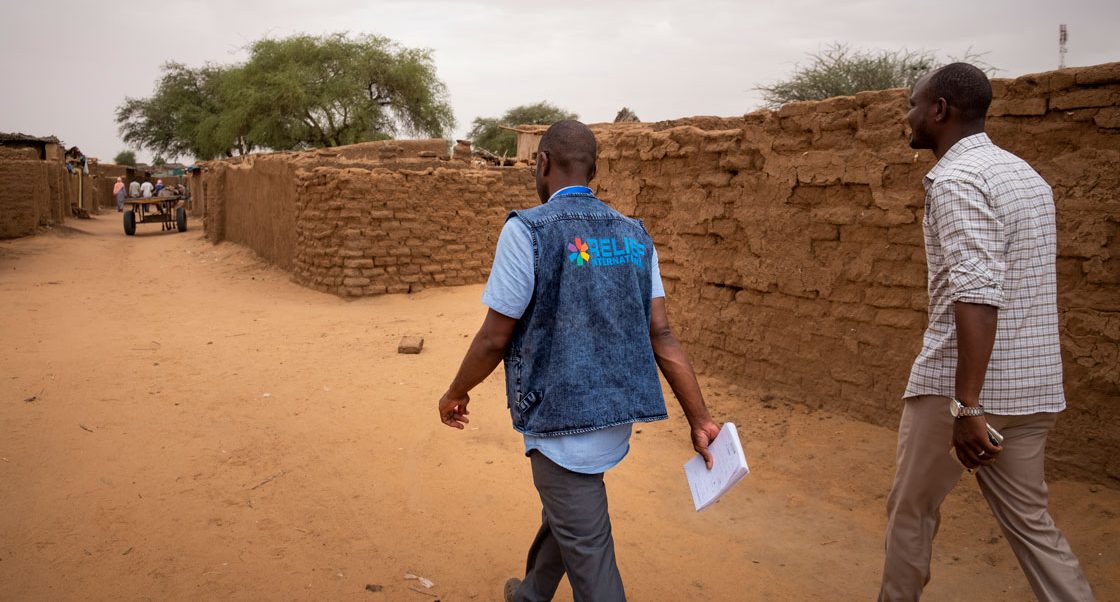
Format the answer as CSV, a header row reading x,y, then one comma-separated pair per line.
x,y
703,433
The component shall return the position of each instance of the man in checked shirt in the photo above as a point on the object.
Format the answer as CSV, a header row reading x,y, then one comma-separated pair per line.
x,y
990,354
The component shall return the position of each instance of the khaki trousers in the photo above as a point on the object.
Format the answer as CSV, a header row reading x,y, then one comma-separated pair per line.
x,y
1014,488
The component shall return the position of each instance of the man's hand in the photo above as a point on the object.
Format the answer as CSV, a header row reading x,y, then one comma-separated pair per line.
x,y
453,410
487,350
703,433
970,438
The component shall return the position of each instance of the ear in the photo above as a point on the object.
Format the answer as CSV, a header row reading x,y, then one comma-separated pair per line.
x,y
940,109
543,164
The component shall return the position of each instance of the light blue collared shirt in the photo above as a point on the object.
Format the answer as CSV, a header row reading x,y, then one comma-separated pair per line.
x,y
508,292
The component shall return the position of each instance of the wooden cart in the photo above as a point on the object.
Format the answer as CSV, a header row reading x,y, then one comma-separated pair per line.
x,y
168,211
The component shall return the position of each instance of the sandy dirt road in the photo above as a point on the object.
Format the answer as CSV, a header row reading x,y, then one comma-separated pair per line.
x,y
178,421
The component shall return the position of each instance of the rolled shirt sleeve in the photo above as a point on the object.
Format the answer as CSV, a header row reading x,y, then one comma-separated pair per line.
x,y
972,240
512,277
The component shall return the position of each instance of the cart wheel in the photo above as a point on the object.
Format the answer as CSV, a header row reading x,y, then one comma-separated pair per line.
x,y
129,222
181,219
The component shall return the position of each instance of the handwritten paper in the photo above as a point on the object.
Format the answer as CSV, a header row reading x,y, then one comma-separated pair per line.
x,y
729,466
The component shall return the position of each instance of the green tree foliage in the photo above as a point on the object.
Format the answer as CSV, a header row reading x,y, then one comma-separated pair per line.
x,y
292,93
487,132
838,70
125,157
158,161
334,90
168,122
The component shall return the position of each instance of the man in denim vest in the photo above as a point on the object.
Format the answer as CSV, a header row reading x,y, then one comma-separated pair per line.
x,y
577,315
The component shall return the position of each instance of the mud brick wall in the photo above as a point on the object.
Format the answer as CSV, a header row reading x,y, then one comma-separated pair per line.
x,y
23,196
365,219
33,193
790,241
792,251
197,205
367,232
263,217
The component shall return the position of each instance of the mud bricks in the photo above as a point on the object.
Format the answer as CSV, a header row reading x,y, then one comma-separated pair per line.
x,y
369,232
33,192
790,241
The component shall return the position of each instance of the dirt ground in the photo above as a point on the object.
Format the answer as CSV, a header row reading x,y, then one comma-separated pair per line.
x,y
179,421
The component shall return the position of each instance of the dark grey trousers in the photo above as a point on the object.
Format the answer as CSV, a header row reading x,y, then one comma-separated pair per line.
x,y
574,538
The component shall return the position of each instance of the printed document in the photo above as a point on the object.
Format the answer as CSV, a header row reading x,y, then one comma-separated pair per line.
x,y
729,466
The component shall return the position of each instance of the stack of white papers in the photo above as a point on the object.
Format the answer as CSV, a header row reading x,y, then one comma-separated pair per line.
x,y
729,466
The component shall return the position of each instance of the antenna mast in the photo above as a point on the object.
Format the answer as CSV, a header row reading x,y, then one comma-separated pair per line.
x,y
1063,37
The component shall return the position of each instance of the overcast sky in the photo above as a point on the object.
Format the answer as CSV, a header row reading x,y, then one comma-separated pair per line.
x,y
65,66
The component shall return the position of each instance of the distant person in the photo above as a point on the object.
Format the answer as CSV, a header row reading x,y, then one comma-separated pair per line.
x,y
990,354
118,192
146,190
133,189
159,187
581,331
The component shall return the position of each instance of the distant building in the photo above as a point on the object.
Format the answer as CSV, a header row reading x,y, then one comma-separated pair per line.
x,y
528,140
48,147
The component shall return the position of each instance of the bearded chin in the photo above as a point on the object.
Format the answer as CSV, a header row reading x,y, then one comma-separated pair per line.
x,y
918,142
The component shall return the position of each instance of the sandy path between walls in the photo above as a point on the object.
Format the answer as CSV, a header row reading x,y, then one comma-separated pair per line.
x,y
198,427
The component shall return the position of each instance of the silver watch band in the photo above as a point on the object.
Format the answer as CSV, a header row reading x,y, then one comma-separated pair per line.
x,y
964,411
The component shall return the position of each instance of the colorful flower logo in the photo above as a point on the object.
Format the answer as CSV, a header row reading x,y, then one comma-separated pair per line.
x,y
579,254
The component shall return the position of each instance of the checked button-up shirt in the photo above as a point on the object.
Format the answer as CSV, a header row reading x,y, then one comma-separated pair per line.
x,y
991,239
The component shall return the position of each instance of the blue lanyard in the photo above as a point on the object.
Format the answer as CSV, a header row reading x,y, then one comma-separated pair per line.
x,y
570,191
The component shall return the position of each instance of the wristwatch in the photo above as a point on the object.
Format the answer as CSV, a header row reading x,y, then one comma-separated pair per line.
x,y
959,410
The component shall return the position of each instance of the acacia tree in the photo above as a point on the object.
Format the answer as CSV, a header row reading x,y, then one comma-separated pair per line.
x,y
487,132
167,122
335,90
838,70
292,93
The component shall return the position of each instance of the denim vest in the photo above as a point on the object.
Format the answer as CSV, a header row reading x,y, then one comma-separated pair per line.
x,y
580,358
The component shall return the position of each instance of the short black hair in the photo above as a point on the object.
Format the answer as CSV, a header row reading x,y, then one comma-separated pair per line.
x,y
963,86
570,145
